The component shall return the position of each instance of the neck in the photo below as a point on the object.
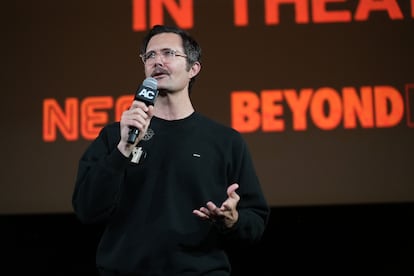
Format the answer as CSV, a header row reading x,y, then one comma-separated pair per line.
x,y
172,106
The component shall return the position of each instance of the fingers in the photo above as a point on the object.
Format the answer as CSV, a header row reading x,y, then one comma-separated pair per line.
x,y
233,198
227,212
139,104
231,190
211,211
200,214
138,116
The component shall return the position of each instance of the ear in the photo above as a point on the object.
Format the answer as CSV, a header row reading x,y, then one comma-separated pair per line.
x,y
195,69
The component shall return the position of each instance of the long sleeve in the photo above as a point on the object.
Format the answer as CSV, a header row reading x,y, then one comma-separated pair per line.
x,y
253,209
100,175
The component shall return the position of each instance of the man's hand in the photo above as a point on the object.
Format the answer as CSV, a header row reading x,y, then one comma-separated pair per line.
x,y
226,212
138,115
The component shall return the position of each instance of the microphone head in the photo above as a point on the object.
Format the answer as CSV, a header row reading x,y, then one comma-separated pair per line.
x,y
147,92
150,83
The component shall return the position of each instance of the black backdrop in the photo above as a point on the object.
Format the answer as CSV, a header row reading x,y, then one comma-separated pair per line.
x,y
336,189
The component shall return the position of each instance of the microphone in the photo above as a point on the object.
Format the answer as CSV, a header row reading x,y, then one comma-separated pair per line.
x,y
146,93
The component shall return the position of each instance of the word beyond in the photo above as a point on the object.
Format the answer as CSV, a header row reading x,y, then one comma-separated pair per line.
x,y
325,108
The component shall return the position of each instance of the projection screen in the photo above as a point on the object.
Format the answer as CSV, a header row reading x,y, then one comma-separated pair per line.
x,y
322,91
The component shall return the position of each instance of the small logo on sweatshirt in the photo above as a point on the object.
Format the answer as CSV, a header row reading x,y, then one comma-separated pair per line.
x,y
148,135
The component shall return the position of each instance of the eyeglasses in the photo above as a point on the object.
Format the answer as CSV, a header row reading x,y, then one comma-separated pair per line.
x,y
166,54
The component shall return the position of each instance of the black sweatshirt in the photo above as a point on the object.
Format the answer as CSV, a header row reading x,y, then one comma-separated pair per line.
x,y
147,206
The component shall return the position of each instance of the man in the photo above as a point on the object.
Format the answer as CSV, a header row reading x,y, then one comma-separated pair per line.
x,y
185,190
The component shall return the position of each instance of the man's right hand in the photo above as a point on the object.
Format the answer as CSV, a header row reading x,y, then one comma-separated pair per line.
x,y
138,115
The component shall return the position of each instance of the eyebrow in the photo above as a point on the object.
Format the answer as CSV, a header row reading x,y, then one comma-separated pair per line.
x,y
163,49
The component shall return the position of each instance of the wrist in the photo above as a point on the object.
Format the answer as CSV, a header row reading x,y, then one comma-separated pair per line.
x,y
125,148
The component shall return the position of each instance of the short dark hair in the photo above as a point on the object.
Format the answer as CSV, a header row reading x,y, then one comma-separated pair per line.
x,y
191,48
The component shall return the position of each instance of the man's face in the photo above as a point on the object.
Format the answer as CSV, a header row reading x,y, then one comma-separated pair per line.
x,y
170,71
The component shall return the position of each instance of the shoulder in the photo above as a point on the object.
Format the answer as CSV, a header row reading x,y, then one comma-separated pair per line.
x,y
111,129
110,133
217,128
213,123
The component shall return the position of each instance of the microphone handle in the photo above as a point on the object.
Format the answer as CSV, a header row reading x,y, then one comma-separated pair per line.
x,y
133,134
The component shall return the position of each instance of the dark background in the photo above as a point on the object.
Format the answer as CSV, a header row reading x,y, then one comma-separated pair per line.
x,y
342,200
331,240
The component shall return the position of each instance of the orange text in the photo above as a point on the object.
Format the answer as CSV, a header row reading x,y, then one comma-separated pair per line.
x,y
147,13
275,110
325,108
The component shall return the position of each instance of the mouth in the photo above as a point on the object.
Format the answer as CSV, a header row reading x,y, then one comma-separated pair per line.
x,y
159,73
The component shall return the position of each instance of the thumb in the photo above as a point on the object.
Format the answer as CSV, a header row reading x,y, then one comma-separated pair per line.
x,y
231,190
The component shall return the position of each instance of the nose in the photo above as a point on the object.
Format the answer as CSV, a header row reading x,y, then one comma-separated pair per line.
x,y
158,59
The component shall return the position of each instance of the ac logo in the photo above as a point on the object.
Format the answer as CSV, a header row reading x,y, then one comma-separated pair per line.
x,y
147,94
